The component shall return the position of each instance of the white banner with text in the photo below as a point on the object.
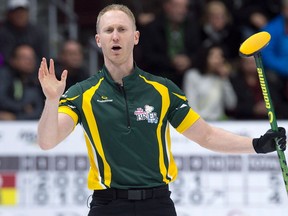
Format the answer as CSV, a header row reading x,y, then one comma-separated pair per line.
x,y
53,183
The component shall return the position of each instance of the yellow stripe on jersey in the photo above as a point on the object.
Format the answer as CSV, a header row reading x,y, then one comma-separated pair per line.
x,y
189,120
68,99
180,96
67,110
94,177
163,91
172,169
92,123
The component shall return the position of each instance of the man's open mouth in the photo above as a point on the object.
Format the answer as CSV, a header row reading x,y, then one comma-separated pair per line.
x,y
116,48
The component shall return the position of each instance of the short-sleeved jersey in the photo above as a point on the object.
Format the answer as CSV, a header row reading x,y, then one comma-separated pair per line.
x,y
126,127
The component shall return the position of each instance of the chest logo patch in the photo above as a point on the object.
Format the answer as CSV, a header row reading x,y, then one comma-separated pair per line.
x,y
104,99
146,114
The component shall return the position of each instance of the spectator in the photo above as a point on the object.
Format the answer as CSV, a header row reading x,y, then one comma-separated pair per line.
x,y
218,28
71,58
275,56
17,29
208,89
147,12
20,94
255,19
238,8
170,42
251,104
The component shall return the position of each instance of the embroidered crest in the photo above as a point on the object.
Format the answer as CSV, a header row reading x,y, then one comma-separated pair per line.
x,y
146,114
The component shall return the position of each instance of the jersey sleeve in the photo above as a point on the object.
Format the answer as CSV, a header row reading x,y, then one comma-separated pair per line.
x,y
69,103
180,115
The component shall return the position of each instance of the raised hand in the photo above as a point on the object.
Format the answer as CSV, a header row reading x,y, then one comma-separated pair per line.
x,y
51,86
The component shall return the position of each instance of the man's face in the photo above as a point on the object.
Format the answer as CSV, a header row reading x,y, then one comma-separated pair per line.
x,y
25,60
116,36
217,16
19,17
215,57
72,55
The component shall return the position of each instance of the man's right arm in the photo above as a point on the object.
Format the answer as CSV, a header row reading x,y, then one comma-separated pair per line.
x,y
53,127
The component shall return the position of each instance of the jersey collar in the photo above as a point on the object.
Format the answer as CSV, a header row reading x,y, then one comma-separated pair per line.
x,y
126,80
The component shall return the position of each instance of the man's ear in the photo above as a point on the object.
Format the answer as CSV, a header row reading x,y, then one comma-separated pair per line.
x,y
97,39
136,37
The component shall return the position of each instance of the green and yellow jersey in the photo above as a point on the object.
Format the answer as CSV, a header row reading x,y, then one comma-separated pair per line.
x,y
127,127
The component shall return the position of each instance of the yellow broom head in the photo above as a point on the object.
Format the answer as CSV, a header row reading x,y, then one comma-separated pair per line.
x,y
254,43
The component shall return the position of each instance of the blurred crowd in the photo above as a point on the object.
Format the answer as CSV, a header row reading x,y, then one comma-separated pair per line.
x,y
194,43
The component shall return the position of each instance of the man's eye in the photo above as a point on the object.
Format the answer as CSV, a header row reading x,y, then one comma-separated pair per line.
x,y
109,30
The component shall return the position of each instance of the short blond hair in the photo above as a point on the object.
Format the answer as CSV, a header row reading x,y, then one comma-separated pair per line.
x,y
118,7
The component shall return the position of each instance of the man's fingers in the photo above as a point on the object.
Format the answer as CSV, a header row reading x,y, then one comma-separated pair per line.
x,y
44,66
44,70
41,71
51,67
64,76
282,138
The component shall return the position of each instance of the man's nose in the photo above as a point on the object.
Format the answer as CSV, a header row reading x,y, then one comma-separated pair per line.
x,y
115,35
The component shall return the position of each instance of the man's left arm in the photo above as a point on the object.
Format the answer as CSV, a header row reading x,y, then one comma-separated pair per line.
x,y
219,140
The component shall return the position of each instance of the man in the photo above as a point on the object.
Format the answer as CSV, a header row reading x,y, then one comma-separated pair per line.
x,y
20,93
17,29
71,58
126,113
218,28
171,41
275,56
